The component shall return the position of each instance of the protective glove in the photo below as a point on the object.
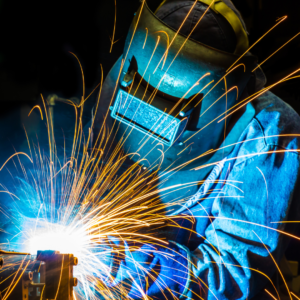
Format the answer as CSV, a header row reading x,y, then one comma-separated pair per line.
x,y
155,271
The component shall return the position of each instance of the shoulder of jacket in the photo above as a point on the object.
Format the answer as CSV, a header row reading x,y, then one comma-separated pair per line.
x,y
278,122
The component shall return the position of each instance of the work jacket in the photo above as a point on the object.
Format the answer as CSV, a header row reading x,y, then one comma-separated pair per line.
x,y
238,212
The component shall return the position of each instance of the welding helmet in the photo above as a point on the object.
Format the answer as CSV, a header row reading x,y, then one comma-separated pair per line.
x,y
173,90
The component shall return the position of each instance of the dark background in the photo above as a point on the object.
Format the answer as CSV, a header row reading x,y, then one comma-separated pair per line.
x,y
36,37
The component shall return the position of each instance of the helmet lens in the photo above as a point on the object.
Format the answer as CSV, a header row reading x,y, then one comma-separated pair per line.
x,y
145,118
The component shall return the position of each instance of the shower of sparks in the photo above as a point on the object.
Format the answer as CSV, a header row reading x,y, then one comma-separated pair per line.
x,y
80,203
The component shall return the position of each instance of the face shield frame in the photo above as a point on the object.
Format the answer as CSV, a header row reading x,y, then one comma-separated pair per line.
x,y
159,89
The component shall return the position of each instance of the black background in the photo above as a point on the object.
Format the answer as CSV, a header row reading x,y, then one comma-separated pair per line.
x,y
36,37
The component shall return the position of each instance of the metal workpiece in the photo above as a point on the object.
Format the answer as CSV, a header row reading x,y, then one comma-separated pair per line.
x,y
75,261
74,281
59,281
22,283
27,275
49,277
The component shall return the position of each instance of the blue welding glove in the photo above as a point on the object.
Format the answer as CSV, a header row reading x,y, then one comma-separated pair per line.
x,y
155,271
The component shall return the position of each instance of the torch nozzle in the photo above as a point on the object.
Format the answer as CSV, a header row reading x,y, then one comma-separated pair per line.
x,y
2,252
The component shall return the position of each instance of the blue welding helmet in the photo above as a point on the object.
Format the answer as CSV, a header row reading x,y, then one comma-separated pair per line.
x,y
171,87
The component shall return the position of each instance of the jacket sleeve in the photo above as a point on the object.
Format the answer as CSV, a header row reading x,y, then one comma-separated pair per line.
x,y
234,261
160,272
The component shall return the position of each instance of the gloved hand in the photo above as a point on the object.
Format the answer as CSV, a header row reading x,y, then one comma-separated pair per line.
x,y
108,256
158,271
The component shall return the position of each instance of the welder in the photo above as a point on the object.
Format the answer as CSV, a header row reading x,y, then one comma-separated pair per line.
x,y
184,69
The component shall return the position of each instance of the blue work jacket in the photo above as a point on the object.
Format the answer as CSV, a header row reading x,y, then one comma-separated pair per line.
x,y
238,212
